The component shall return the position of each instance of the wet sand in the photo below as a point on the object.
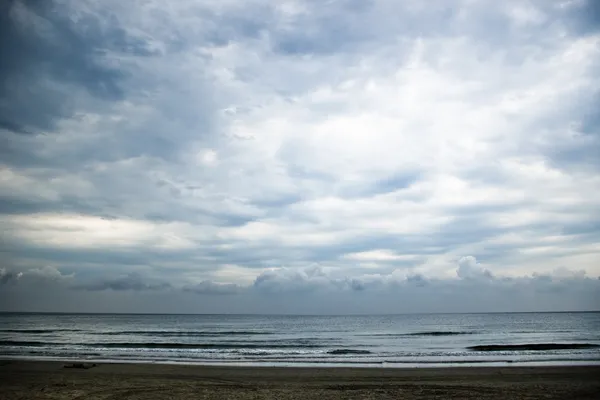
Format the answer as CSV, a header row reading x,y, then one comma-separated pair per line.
x,y
50,380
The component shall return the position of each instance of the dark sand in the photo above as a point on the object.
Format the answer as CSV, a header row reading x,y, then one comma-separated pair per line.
x,y
50,380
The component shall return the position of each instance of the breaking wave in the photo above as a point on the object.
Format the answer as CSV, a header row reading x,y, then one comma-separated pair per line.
x,y
533,347
348,351
426,333
184,333
157,345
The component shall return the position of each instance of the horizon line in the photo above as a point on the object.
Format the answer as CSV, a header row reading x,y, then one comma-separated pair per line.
x,y
296,315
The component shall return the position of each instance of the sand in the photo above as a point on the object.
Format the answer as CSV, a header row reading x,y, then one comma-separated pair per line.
x,y
50,380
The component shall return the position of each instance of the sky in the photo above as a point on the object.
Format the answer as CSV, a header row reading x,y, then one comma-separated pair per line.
x,y
299,156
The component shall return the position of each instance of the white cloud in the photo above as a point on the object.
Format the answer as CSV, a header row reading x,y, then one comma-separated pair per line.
x,y
47,272
379,255
469,268
208,157
80,231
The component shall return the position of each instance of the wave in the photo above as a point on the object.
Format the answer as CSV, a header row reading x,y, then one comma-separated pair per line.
x,y
38,330
348,351
441,333
22,343
155,345
199,346
534,346
426,333
183,333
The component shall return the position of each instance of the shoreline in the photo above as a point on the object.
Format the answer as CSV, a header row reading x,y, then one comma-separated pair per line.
x,y
50,379
50,364
318,364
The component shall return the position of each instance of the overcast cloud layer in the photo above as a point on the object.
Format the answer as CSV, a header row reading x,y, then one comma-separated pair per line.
x,y
347,156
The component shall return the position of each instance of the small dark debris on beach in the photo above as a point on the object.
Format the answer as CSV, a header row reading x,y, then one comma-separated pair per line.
x,y
79,366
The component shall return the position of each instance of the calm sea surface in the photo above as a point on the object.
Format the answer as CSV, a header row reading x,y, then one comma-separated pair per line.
x,y
394,340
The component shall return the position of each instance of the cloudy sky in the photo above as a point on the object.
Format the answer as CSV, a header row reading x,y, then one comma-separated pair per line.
x,y
299,156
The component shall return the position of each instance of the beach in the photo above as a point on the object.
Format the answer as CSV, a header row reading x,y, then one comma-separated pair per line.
x,y
51,380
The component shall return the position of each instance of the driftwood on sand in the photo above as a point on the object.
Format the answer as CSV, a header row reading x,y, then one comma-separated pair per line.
x,y
79,365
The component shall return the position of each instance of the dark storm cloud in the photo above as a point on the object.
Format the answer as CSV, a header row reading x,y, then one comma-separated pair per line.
x,y
134,281
55,62
315,291
14,127
285,280
35,276
25,205
43,52
213,288
585,19
416,293
8,276
98,257
346,26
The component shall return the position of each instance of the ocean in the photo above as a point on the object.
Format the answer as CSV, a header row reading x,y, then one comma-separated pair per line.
x,y
368,341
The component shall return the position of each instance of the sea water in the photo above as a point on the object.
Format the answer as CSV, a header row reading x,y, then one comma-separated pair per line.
x,y
365,340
